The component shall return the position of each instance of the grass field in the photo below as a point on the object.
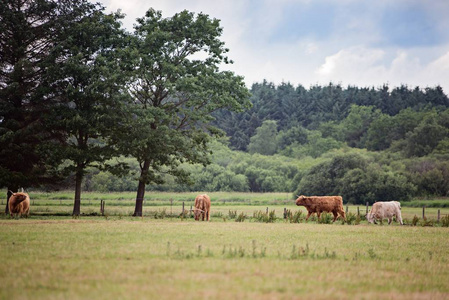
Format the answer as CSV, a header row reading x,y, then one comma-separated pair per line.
x,y
119,257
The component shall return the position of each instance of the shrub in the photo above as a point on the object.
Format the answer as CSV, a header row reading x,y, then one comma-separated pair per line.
x,y
232,214
261,216
415,220
241,217
351,218
325,218
445,221
296,217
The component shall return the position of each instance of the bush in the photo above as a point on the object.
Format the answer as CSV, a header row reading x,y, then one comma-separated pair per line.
x,y
241,217
294,217
325,218
445,221
232,214
357,179
261,216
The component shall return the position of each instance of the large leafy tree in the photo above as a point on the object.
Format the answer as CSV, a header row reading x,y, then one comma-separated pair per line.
x,y
29,32
176,86
89,89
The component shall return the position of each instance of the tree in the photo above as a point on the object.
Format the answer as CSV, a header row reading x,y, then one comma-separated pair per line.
x,y
29,32
89,92
264,141
175,87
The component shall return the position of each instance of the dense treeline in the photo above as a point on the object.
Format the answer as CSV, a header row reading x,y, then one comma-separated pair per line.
x,y
311,108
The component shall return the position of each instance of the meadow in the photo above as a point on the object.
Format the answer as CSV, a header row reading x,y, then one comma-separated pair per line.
x,y
164,256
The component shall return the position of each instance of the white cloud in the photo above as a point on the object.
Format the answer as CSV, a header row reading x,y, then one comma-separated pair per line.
x,y
353,51
371,67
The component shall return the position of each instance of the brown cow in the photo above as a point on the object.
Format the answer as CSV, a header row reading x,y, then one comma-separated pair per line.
x,y
19,203
202,207
319,204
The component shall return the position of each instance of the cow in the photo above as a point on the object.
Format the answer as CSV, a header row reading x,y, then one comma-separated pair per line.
x,y
385,210
19,204
202,207
319,204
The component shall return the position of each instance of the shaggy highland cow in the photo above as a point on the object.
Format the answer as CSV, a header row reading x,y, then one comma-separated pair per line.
x,y
202,207
319,204
385,210
19,204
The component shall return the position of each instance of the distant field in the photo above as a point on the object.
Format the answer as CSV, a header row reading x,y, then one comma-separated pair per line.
x,y
122,204
121,257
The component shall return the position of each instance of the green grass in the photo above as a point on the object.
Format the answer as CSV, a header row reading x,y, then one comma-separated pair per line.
x,y
129,258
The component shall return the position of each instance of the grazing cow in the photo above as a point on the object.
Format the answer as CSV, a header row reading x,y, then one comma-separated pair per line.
x,y
19,203
319,204
202,207
385,210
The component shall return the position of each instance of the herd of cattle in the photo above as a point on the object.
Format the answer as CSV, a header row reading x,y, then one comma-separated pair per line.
x,y
318,205
19,204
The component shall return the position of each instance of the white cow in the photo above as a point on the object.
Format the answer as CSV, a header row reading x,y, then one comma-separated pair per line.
x,y
385,210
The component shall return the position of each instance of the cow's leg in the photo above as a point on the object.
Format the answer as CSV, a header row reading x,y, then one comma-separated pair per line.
x,y
318,213
399,217
308,215
389,220
335,215
203,214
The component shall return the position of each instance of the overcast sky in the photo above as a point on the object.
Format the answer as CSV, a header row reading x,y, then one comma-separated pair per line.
x,y
307,42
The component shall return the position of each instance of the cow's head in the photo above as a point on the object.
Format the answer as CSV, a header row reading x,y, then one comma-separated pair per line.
x,y
370,218
197,213
19,197
300,200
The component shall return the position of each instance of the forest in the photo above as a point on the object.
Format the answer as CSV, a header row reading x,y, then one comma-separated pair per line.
x,y
87,105
366,144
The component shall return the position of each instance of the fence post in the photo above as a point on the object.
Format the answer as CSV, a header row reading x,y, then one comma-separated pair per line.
x,y
439,215
267,210
102,207
183,207
367,204
347,208
358,211
171,206
190,213
424,212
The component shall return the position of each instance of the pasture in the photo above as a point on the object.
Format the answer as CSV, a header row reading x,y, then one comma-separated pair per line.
x,y
52,256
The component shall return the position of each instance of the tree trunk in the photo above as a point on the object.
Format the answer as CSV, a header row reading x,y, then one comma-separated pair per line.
x,y
77,203
138,210
8,195
11,190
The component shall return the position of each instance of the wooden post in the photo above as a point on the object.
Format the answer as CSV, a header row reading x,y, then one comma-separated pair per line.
x,y
102,207
439,215
347,208
267,210
171,206
358,211
424,212
190,214
367,204
183,207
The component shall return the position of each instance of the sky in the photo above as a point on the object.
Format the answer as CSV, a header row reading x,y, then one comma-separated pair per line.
x,y
307,42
